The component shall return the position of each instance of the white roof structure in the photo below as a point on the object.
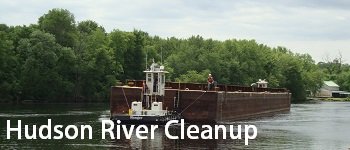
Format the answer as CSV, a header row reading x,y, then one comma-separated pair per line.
x,y
330,83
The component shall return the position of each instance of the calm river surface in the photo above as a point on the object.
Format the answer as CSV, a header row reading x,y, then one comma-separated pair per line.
x,y
306,126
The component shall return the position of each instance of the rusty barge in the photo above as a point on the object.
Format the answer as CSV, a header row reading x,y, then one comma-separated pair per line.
x,y
194,102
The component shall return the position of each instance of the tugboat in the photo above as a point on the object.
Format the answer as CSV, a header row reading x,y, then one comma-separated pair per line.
x,y
149,110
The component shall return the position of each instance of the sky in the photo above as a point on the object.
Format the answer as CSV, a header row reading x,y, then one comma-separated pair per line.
x,y
320,28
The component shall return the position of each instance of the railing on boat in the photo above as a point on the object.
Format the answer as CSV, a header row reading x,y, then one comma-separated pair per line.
x,y
203,86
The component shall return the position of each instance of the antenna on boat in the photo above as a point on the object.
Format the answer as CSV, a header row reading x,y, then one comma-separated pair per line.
x,y
146,60
161,55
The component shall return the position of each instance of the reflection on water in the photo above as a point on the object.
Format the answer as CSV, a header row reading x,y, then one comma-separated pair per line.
x,y
306,126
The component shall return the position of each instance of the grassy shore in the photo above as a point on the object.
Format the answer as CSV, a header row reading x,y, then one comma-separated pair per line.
x,y
336,99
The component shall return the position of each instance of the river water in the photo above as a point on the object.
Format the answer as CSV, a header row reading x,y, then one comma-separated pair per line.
x,y
324,125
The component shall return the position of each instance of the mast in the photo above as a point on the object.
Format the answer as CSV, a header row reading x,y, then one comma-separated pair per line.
x,y
146,61
161,55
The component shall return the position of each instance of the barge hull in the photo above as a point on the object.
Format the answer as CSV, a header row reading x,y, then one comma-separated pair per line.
x,y
207,106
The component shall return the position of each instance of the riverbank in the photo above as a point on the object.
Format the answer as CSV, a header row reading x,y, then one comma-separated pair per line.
x,y
336,99
318,100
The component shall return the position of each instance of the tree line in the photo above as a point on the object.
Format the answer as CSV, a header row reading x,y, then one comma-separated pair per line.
x,y
59,59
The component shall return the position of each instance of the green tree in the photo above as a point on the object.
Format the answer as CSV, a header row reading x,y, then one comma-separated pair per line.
x,y
89,26
129,53
9,86
96,69
39,79
193,76
343,79
60,23
134,57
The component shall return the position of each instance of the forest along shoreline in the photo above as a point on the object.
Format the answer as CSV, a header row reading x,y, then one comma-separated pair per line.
x,y
60,60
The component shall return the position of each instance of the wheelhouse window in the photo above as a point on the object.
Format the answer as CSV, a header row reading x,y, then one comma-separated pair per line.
x,y
149,77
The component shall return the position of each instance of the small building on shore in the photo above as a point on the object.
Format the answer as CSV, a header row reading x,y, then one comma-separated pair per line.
x,y
331,89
